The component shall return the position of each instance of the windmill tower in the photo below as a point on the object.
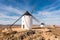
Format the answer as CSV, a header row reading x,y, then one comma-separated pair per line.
x,y
42,25
26,21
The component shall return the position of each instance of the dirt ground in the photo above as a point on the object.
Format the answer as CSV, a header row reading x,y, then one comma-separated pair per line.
x,y
36,33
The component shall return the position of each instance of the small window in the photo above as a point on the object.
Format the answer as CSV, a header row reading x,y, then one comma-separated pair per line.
x,y
23,26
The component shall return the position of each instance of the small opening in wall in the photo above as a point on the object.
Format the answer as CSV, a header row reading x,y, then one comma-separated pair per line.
x,y
23,26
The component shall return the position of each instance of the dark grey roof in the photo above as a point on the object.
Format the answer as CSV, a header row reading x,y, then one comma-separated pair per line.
x,y
42,24
27,13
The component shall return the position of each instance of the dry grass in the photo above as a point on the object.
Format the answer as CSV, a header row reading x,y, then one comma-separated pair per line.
x,y
37,33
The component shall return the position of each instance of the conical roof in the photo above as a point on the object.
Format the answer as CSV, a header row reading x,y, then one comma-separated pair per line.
x,y
42,24
27,13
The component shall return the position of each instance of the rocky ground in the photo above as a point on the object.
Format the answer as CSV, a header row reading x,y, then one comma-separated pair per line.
x,y
34,34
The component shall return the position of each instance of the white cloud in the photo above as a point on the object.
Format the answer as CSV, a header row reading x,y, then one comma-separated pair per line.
x,y
50,17
9,19
11,9
8,22
7,10
4,10
5,16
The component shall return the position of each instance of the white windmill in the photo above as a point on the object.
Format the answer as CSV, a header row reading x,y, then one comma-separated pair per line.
x,y
42,25
26,21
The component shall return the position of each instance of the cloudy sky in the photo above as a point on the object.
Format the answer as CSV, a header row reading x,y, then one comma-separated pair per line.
x,y
47,11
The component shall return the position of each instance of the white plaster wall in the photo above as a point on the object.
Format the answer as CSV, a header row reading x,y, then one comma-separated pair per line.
x,y
27,22
41,25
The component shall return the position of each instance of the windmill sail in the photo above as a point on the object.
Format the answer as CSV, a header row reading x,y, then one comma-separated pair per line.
x,y
16,21
33,9
32,12
35,18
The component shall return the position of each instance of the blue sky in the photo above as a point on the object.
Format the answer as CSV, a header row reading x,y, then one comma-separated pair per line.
x,y
47,11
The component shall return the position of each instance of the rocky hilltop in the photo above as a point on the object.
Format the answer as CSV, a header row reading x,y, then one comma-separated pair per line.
x,y
33,34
